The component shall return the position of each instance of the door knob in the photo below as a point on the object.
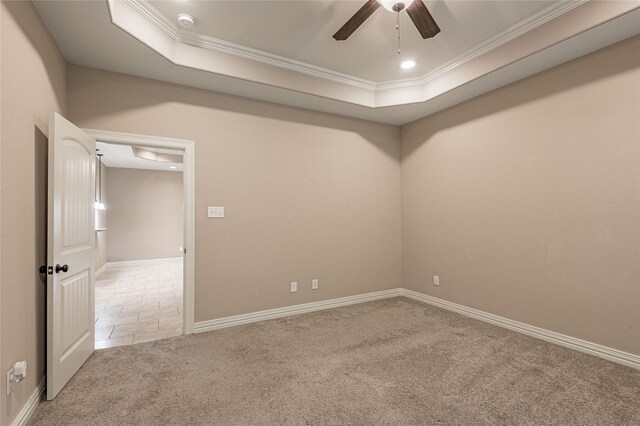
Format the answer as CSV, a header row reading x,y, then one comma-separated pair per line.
x,y
63,268
44,269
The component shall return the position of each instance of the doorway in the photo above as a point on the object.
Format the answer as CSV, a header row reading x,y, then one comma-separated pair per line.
x,y
144,238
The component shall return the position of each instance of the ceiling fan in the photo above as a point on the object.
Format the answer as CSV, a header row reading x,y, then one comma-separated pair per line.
x,y
416,10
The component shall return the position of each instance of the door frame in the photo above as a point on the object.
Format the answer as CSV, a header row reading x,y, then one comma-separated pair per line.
x,y
188,146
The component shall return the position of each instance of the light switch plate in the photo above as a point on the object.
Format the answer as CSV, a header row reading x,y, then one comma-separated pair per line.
x,y
216,212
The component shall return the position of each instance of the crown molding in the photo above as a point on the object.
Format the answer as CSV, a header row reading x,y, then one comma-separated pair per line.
x,y
222,46
153,15
167,26
534,21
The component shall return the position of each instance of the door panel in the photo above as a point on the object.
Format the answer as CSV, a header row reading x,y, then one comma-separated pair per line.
x,y
71,242
74,311
75,198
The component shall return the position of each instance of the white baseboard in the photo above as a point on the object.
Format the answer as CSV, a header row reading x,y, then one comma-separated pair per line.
x,y
101,270
605,352
232,321
111,265
27,411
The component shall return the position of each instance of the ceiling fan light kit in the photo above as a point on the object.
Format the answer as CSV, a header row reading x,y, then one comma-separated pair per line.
x,y
394,5
416,10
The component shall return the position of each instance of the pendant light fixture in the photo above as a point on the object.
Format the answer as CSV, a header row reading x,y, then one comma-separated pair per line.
x,y
99,204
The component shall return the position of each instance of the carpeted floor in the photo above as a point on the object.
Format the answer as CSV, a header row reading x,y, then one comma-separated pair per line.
x,y
390,362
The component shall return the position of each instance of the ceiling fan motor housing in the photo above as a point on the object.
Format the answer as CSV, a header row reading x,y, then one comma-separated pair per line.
x,y
416,10
395,5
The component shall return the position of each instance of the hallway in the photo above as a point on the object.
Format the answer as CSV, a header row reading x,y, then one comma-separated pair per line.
x,y
136,304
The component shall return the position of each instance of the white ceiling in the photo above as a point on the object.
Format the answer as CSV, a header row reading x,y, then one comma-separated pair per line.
x,y
115,155
311,70
302,30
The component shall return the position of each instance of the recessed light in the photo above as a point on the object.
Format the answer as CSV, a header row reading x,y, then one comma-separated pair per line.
x,y
407,65
172,167
186,21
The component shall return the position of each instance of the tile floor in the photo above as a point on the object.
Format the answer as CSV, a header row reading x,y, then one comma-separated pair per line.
x,y
137,304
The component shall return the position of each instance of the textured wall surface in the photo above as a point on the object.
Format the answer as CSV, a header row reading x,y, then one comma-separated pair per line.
x,y
145,214
306,195
526,201
33,85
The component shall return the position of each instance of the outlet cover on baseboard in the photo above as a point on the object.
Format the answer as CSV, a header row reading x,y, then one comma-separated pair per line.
x,y
294,287
436,280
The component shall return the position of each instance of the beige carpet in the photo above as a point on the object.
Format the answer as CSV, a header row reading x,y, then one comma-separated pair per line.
x,y
390,362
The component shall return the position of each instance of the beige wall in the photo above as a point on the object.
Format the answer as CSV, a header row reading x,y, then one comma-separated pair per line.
x,y
526,201
306,194
33,85
145,209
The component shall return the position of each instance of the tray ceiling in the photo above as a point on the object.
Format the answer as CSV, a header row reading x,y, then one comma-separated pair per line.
x,y
283,51
301,30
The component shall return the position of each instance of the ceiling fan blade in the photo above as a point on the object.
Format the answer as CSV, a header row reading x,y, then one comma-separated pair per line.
x,y
356,20
422,19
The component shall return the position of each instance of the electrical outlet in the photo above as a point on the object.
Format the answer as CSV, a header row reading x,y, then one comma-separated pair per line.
x,y
436,280
10,381
294,287
314,284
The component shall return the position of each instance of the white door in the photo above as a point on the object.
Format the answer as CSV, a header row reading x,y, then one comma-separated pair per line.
x,y
70,252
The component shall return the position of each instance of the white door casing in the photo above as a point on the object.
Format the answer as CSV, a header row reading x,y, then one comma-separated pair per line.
x,y
188,146
71,242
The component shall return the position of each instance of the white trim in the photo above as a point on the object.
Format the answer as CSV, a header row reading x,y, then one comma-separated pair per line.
x,y
100,270
189,255
149,12
222,46
235,320
189,173
123,263
590,348
122,138
531,23
153,15
605,352
32,403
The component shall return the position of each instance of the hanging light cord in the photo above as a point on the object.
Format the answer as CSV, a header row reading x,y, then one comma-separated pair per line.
x,y
398,29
